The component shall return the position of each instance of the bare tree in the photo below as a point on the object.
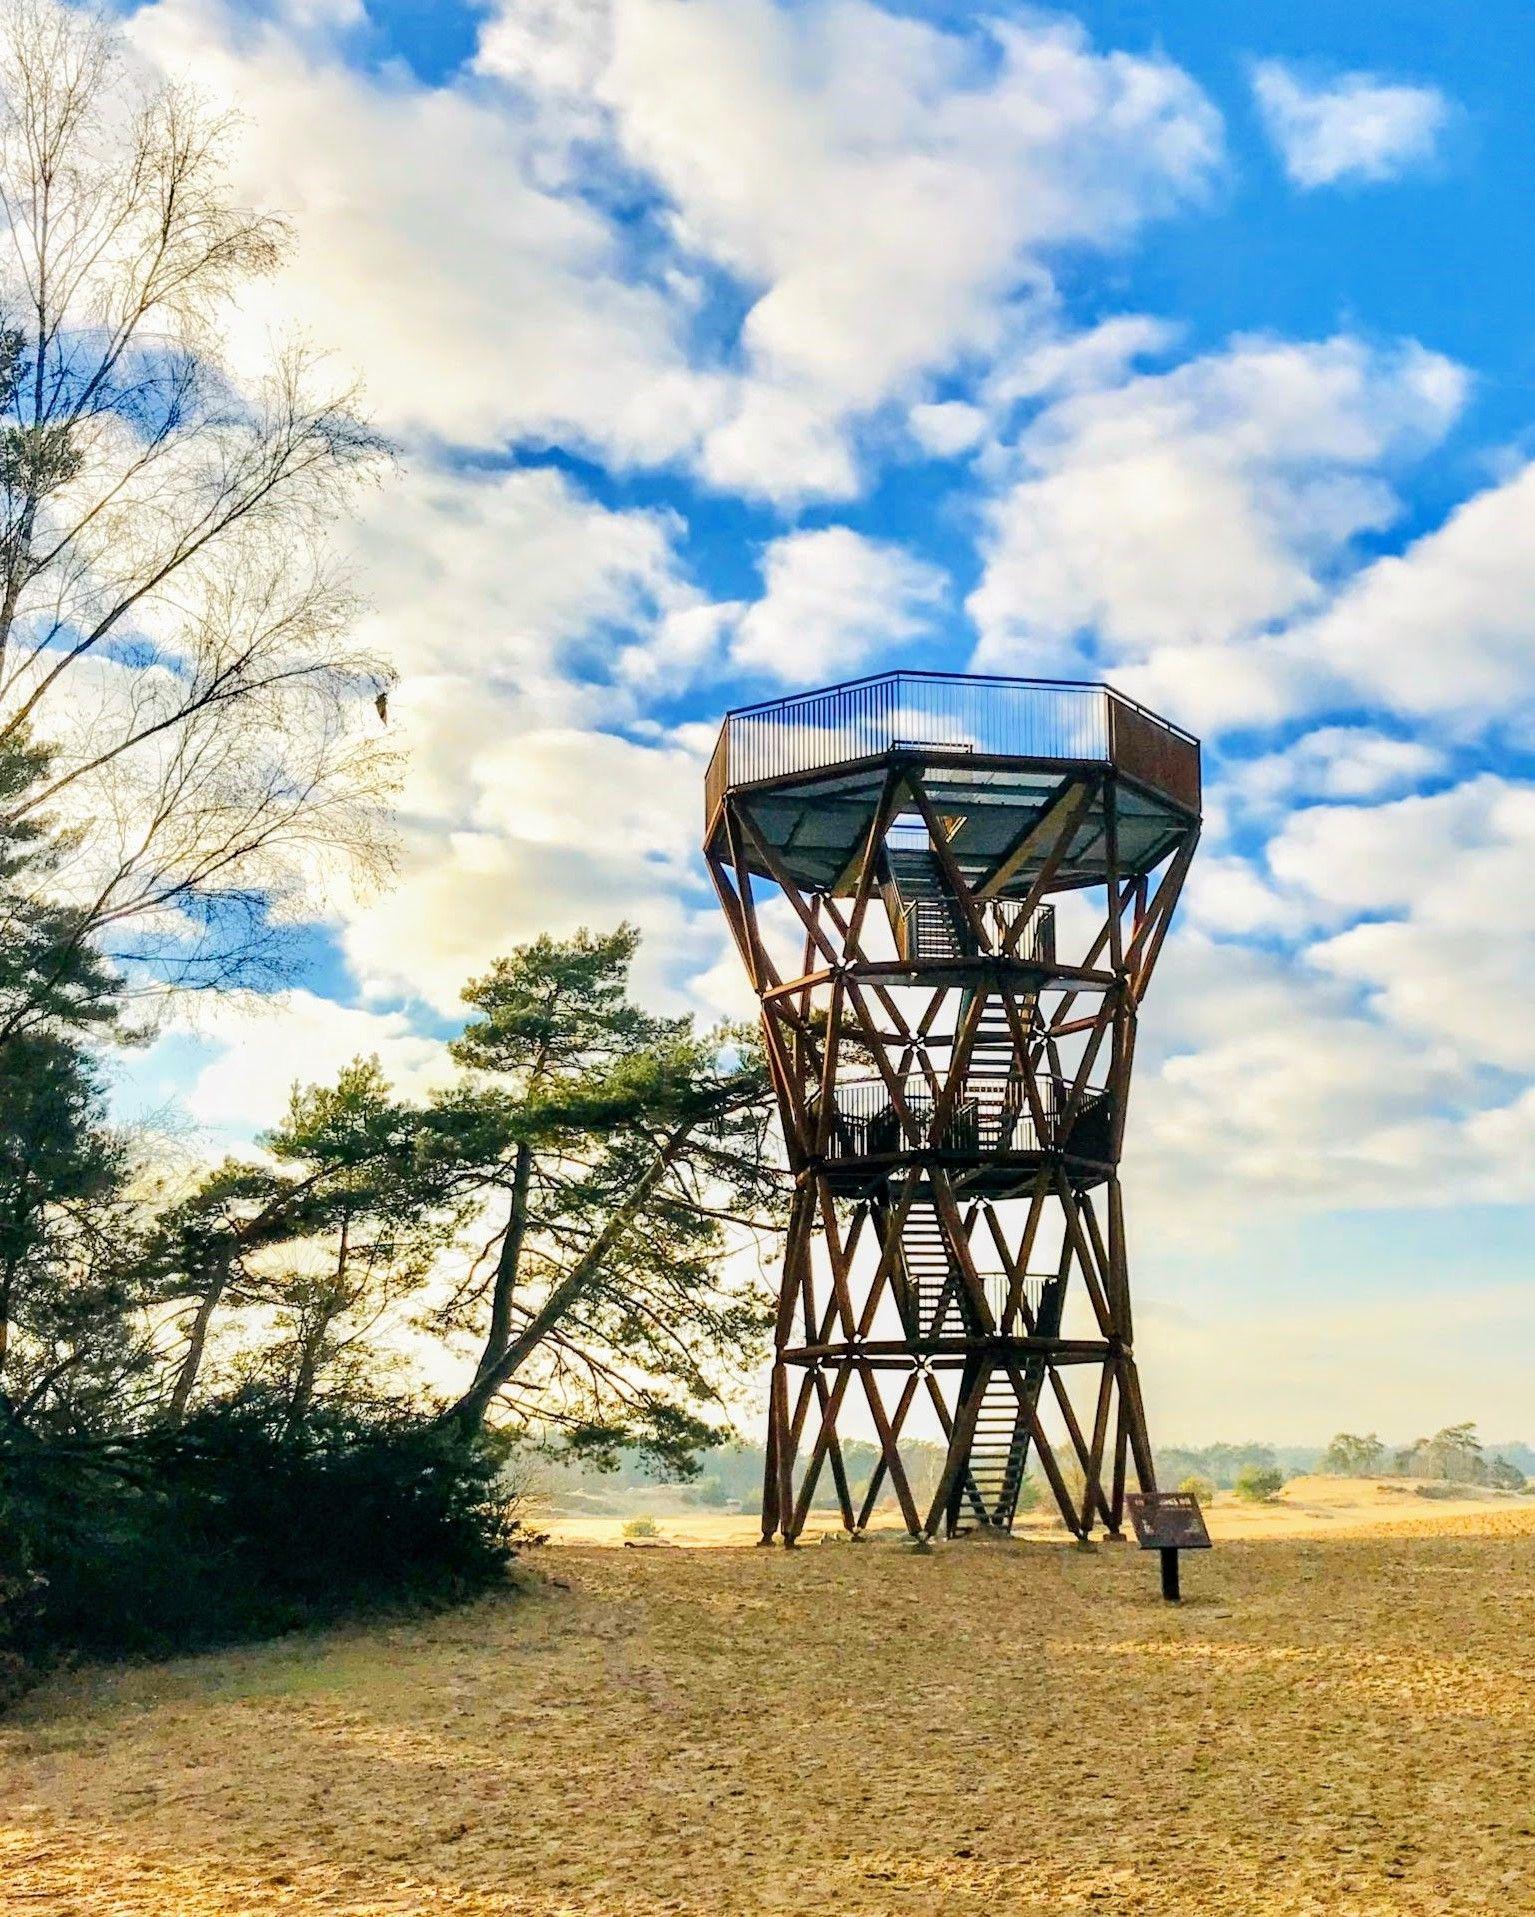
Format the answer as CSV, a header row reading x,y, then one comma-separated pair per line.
x,y
172,630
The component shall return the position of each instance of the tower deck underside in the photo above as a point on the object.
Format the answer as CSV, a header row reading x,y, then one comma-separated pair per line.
x,y
816,823
950,947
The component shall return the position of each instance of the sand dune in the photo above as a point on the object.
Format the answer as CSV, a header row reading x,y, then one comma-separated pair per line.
x,y
1337,1721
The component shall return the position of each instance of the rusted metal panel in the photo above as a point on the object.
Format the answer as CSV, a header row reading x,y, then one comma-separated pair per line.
x,y
1153,753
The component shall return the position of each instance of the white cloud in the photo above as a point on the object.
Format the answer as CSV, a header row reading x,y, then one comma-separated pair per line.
x,y
1052,361
1333,762
947,427
247,1054
1165,523
465,895
838,161
833,601
1441,883
1229,898
518,573
1446,626
1352,127
1265,1082
824,163
480,299
557,46
520,609
594,791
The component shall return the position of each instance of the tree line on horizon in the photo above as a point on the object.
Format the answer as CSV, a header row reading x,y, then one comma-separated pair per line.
x,y
1453,1454
729,1476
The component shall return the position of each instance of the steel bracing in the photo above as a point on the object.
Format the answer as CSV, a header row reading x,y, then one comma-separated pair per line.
x,y
950,944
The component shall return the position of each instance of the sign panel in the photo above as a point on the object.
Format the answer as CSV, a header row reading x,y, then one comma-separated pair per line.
x,y
1167,1521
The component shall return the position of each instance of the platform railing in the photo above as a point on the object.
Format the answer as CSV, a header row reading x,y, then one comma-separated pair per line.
x,y
926,930
956,1319
1004,718
991,1116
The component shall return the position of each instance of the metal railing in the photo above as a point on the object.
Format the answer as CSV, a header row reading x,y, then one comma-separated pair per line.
x,y
952,1315
990,1117
926,929
954,712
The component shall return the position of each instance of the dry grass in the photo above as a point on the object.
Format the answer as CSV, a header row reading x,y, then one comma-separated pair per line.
x,y
1332,1724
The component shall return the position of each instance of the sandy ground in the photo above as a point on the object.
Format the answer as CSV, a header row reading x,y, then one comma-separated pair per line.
x,y
1339,1723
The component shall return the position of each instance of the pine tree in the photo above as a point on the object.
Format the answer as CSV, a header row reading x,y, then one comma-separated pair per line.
x,y
614,1150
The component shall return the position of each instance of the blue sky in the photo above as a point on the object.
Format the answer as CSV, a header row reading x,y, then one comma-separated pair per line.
x,y
735,346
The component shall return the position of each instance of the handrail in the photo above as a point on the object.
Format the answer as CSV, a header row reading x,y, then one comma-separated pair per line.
x,y
925,929
992,1115
963,679
1052,719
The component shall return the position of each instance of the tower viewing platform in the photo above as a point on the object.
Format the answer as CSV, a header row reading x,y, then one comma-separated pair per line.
x,y
994,746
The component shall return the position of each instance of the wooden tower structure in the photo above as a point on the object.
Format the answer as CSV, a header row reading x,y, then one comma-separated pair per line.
x,y
949,894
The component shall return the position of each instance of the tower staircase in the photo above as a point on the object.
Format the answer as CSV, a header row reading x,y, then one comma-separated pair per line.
x,y
924,915
999,1449
937,1305
992,1078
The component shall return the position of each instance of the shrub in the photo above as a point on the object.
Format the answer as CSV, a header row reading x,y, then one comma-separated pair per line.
x,y
231,1527
642,1528
1257,1482
1198,1487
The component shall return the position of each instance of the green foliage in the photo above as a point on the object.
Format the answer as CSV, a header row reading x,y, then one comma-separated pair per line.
x,y
1456,1454
641,1528
1198,1487
236,1525
619,1150
555,1009
191,1440
1220,1463
1257,1482
53,980
1453,1453
1352,1456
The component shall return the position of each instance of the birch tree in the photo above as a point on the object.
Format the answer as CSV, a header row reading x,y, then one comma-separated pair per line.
x,y
174,632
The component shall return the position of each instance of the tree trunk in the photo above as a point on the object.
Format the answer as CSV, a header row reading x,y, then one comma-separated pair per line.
x,y
469,1412
312,1345
197,1341
308,1371
499,1336
5,1315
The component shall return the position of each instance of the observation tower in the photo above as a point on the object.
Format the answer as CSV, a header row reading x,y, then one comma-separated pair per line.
x,y
949,894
